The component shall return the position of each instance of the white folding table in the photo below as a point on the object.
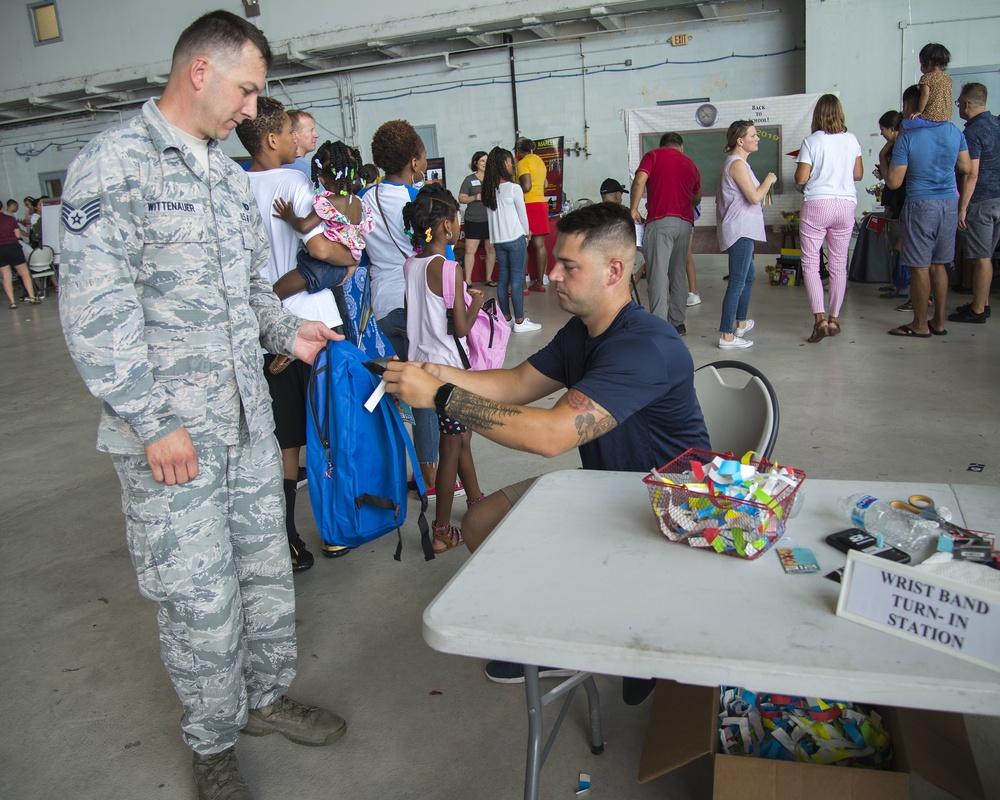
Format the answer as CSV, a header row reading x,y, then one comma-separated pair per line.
x,y
579,576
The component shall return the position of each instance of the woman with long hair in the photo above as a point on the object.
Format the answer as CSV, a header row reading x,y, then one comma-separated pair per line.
x,y
399,152
508,222
477,228
740,222
829,162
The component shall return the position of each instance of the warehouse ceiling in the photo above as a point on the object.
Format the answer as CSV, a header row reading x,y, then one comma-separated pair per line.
x,y
319,55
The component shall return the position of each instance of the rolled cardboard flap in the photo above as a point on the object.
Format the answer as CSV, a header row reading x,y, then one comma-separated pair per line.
x,y
935,745
682,727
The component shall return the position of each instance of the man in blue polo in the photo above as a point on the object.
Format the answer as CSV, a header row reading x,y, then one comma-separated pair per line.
x,y
927,159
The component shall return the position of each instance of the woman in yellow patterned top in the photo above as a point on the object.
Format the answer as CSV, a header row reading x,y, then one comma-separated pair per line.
x,y
935,86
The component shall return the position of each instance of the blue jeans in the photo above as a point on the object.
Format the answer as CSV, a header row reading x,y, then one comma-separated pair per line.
x,y
425,426
511,258
741,274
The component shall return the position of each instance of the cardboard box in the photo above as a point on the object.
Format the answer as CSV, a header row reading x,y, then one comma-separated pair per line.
x,y
683,727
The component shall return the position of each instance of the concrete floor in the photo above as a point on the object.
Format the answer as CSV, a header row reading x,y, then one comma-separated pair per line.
x,y
91,714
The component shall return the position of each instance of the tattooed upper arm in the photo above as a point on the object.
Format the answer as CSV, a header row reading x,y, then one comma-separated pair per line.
x,y
590,419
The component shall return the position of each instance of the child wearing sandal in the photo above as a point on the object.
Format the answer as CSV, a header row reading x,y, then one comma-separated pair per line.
x,y
337,169
432,221
336,176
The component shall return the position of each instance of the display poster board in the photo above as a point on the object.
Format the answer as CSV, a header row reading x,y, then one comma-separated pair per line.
x,y
783,121
435,171
51,212
706,148
551,152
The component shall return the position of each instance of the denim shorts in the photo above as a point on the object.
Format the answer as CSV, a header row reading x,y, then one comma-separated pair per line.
x,y
927,231
318,274
983,232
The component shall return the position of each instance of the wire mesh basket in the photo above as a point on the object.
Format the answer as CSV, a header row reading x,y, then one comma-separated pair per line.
x,y
699,513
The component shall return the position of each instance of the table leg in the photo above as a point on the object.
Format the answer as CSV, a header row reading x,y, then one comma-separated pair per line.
x,y
537,752
533,769
594,707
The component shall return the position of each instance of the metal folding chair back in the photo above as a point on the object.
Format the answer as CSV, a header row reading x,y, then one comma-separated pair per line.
x,y
740,407
41,268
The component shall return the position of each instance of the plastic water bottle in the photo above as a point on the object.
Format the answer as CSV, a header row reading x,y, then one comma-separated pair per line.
x,y
901,529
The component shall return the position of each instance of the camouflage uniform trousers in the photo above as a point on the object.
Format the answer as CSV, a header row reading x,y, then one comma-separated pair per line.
x,y
213,553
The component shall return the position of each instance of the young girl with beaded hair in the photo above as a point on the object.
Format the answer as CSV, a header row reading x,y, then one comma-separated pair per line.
x,y
336,176
432,222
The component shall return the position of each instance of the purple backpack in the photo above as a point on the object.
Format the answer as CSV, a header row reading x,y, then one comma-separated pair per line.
x,y
488,336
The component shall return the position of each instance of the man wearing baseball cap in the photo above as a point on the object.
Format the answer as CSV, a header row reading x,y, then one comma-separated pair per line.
x,y
612,191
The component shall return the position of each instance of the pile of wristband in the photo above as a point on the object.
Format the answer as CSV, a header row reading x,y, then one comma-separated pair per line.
x,y
713,501
806,729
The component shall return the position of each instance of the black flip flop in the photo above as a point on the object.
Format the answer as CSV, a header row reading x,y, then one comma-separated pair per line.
x,y
936,332
908,331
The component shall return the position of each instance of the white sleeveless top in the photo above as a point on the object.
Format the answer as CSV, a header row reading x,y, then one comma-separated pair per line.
x,y
735,216
426,318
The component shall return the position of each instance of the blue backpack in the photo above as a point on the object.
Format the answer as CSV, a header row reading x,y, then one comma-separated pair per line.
x,y
355,458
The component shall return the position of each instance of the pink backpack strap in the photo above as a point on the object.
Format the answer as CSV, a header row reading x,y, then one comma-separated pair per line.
x,y
448,282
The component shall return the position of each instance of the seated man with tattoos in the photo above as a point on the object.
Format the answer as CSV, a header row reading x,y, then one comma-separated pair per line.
x,y
630,403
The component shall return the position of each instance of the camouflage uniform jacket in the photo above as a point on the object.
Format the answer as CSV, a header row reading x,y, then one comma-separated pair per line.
x,y
162,303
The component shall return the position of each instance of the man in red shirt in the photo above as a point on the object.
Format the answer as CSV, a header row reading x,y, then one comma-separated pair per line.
x,y
673,188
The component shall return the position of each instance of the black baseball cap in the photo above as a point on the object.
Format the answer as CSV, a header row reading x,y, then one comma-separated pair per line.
x,y
610,186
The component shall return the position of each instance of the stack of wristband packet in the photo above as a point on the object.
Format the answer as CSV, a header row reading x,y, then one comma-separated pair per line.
x,y
714,501
807,729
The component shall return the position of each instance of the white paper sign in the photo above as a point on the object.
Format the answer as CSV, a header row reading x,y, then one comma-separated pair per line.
x,y
927,609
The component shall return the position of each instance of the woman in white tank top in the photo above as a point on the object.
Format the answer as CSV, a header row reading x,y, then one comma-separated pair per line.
x,y
740,222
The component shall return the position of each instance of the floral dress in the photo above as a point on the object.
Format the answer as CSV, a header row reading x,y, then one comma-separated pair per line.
x,y
338,228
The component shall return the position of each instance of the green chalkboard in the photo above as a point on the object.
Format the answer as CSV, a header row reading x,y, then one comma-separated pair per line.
x,y
705,148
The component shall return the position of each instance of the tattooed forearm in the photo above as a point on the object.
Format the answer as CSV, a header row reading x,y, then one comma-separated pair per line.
x,y
591,421
477,412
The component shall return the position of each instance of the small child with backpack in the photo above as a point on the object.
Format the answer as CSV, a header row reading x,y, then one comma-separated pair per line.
x,y
432,221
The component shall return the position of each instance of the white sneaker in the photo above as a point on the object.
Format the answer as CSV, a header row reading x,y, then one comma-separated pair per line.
x,y
736,344
748,327
526,326
693,299
545,280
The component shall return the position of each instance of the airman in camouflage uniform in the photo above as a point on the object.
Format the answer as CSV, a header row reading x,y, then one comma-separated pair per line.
x,y
164,311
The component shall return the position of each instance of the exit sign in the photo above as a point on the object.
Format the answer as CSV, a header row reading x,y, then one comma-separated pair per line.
x,y
680,38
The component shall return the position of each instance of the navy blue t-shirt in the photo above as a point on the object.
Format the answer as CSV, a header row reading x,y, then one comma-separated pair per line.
x,y
641,372
982,132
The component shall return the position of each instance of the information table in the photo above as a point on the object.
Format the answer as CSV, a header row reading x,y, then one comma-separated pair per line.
x,y
579,576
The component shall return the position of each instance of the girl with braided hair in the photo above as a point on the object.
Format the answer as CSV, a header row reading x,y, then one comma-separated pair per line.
x,y
435,329
336,176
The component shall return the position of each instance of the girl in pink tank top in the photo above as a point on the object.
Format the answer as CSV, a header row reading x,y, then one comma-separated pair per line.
x,y
432,221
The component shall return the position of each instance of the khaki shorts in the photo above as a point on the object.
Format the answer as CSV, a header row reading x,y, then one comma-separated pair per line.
x,y
516,491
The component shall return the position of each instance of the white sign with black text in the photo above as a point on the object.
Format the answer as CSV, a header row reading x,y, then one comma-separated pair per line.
x,y
924,608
